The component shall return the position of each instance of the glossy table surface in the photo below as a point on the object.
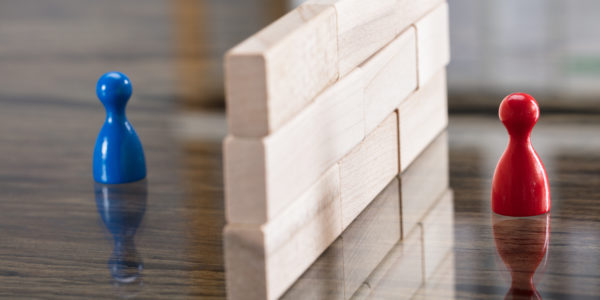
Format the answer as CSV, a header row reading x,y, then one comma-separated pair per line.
x,y
58,230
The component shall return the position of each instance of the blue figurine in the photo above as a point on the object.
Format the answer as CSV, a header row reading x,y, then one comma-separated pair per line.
x,y
118,154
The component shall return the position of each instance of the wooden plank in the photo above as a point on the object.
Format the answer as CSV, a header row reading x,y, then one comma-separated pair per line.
x,y
366,170
433,43
438,233
263,176
365,27
399,275
273,75
424,182
324,280
421,118
276,254
391,75
371,236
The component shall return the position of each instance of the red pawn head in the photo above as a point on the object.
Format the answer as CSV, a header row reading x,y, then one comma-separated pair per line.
x,y
520,185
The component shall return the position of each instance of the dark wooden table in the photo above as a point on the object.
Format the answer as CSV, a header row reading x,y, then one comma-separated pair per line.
x,y
58,231
54,242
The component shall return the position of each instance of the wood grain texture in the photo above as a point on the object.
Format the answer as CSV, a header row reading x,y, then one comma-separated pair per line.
x,y
391,75
273,75
442,284
265,175
364,28
421,118
438,233
324,280
399,275
433,43
54,245
423,182
369,238
366,170
280,251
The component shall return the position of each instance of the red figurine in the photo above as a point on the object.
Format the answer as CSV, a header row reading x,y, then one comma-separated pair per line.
x,y
520,186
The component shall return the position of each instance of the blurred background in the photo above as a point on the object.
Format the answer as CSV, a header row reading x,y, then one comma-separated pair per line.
x,y
172,50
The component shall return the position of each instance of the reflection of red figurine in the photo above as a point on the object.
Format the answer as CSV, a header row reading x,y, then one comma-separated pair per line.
x,y
522,244
520,186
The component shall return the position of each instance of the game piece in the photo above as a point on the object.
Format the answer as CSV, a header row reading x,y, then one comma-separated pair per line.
x,y
118,154
122,208
520,185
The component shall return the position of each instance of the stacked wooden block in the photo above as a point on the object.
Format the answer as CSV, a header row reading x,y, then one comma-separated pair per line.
x,y
389,253
325,107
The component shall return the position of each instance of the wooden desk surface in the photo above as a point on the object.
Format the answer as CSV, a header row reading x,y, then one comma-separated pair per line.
x,y
56,232
54,244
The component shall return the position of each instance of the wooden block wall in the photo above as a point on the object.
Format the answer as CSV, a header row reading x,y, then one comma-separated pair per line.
x,y
325,107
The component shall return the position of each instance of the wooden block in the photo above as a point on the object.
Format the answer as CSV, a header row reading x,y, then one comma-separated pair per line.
x,y
391,75
276,254
324,279
399,275
366,170
438,233
371,236
263,176
433,43
424,182
365,27
273,75
421,118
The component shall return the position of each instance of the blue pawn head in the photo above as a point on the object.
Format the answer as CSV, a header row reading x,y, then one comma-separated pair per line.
x,y
113,90
118,154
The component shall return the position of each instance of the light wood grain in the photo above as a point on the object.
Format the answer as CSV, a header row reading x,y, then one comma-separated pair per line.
x,y
273,75
371,236
364,27
391,75
424,182
399,275
433,43
324,280
421,118
277,253
366,170
263,176
438,233
442,284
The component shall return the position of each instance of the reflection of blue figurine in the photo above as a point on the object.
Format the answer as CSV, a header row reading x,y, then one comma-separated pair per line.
x,y
122,208
118,155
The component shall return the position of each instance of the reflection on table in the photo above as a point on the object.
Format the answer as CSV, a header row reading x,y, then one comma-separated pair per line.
x,y
122,208
522,244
